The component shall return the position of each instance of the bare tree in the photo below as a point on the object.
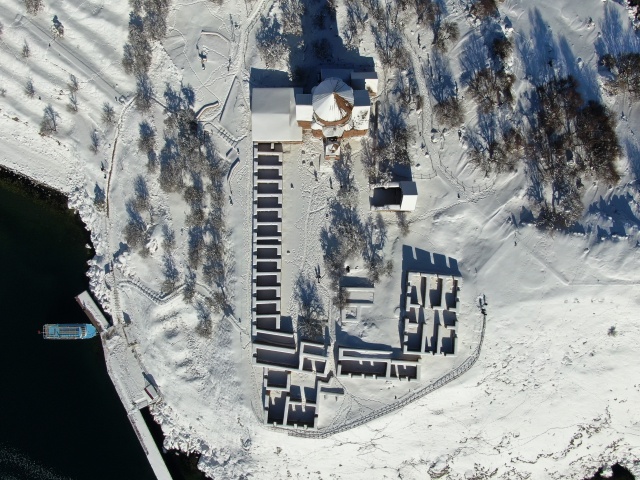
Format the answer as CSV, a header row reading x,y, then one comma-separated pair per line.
x,y
72,106
310,309
49,122
168,238
147,140
626,72
142,199
136,58
446,35
73,83
490,88
33,6
292,11
3,91
449,112
26,50
484,8
144,93
29,89
502,48
99,197
170,272
108,114
95,141
189,290
403,223
272,46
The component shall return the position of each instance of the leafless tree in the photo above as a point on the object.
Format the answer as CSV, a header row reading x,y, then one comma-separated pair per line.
x,y
142,199
147,139
72,106
26,50
502,48
427,12
189,290
205,325
449,112
29,89
272,46
292,11
310,309
403,224
446,35
33,6
144,93
170,272
168,238
490,88
95,141
626,73
99,197
108,114
49,122
136,57
484,8
73,83
3,91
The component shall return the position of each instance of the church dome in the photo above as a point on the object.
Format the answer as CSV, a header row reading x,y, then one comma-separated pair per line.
x,y
332,102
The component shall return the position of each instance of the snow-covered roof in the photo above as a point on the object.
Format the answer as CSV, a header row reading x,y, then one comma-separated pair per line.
x,y
304,107
361,110
332,100
365,81
273,115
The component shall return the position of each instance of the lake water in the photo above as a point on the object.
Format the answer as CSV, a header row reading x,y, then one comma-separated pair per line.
x,y
60,416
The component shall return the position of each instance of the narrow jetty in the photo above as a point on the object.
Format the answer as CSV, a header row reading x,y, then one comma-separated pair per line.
x,y
93,312
134,386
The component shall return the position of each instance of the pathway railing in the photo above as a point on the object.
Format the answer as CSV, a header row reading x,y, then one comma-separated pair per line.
x,y
407,399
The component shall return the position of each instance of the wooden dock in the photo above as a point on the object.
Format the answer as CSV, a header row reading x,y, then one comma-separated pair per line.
x,y
93,312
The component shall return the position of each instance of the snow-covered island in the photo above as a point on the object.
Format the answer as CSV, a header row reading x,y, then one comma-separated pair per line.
x,y
342,239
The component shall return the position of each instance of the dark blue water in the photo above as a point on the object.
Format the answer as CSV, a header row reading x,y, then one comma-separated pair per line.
x,y
60,416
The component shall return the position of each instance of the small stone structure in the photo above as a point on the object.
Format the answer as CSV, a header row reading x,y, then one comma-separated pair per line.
x,y
431,309
358,299
376,365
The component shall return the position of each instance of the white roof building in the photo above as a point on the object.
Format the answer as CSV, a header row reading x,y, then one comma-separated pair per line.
x,y
339,107
394,196
273,115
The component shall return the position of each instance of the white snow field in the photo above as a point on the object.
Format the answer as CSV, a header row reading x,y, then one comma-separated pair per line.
x,y
554,390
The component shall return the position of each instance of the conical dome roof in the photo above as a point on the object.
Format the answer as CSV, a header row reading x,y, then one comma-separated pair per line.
x,y
332,101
